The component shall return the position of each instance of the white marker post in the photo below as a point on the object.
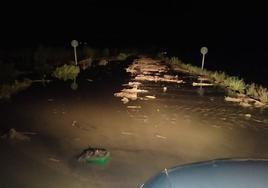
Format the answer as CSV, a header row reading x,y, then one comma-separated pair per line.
x,y
204,51
74,44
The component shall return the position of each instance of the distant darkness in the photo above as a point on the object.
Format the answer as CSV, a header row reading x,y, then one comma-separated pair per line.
x,y
235,33
135,22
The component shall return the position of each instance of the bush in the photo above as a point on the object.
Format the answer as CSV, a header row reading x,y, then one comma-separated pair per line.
x,y
235,84
251,90
219,77
262,94
66,72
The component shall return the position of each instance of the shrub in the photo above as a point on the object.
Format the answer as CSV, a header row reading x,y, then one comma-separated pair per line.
x,y
235,84
262,94
251,90
219,77
66,72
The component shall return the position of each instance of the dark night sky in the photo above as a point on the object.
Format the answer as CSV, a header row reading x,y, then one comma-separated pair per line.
x,y
135,22
235,33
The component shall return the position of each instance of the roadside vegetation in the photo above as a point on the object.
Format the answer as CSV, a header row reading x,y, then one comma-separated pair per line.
x,y
21,67
66,72
234,84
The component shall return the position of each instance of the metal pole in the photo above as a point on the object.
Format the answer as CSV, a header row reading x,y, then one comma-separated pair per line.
x,y
203,61
75,57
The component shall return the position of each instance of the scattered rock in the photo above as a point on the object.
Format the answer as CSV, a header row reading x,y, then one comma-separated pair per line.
x,y
74,123
248,115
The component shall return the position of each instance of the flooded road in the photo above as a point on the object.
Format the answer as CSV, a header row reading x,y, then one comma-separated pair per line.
x,y
153,119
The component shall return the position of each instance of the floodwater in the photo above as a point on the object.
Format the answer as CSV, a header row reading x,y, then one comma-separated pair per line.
x,y
171,126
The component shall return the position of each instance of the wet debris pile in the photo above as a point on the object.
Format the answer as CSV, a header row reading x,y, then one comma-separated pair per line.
x,y
130,93
244,101
94,155
146,66
145,69
165,78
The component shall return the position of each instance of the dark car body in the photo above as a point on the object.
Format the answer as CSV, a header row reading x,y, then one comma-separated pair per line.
x,y
222,173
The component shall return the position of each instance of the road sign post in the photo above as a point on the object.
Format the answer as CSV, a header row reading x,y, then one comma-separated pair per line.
x,y
204,51
74,44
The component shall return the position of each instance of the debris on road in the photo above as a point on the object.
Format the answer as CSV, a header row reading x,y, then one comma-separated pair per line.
x,y
126,133
150,97
245,101
125,100
130,94
202,84
94,155
50,100
124,94
171,79
245,104
54,160
159,136
248,115
164,89
133,84
203,79
74,123
134,107
232,99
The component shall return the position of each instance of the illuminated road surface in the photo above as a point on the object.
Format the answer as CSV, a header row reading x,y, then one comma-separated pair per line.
x,y
144,136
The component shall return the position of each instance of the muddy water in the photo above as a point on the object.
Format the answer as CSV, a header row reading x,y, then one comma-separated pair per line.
x,y
144,135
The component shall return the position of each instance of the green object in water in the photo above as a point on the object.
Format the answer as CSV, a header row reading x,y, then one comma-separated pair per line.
x,y
95,156
99,160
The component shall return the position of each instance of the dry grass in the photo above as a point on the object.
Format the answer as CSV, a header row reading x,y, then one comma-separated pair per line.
x,y
233,83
